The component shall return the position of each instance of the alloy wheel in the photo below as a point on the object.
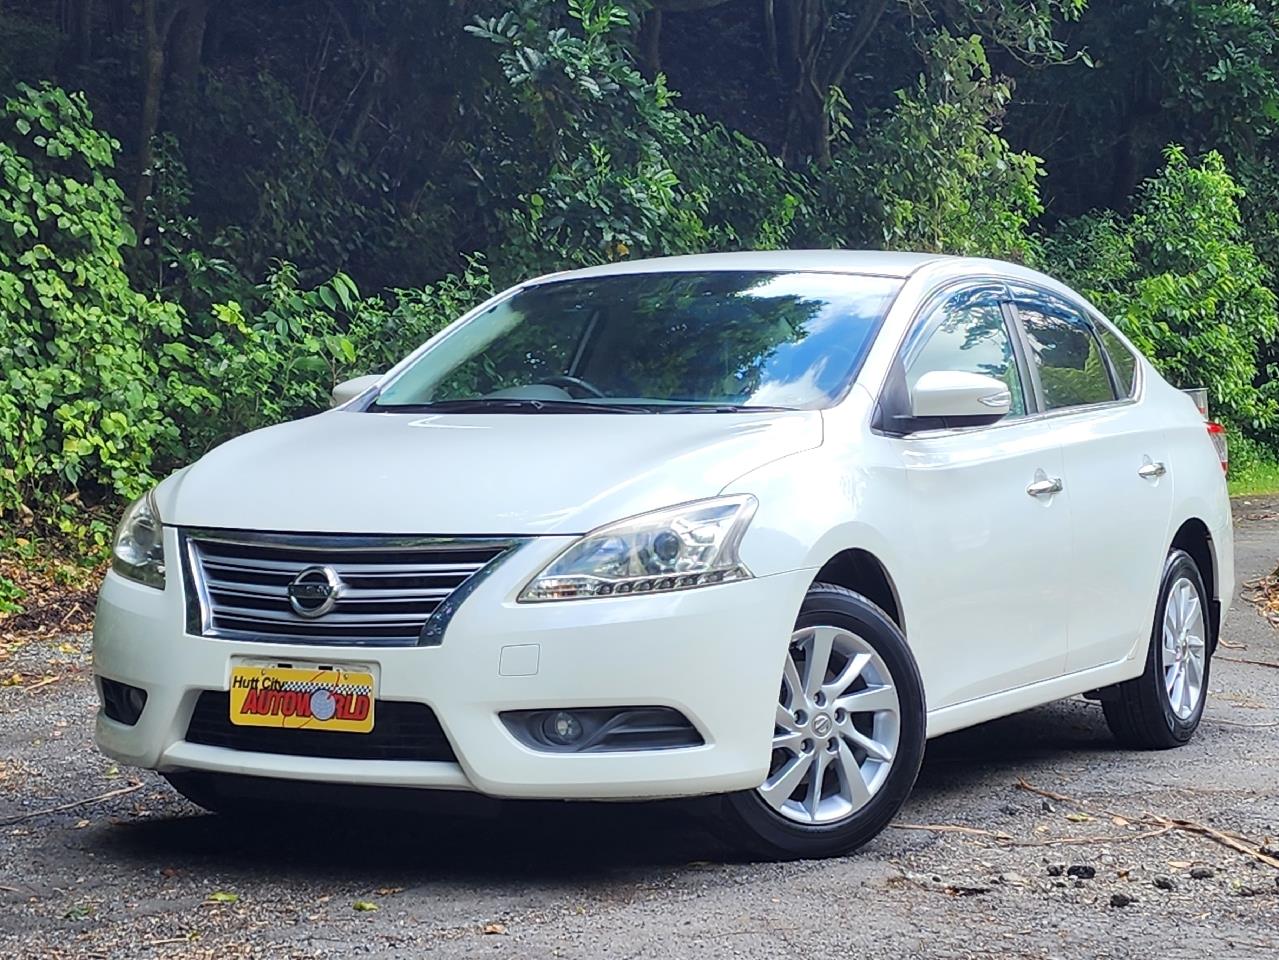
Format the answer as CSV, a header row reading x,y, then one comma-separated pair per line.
x,y
1185,649
837,728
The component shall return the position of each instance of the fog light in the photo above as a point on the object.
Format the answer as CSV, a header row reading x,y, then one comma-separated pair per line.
x,y
137,699
122,702
562,727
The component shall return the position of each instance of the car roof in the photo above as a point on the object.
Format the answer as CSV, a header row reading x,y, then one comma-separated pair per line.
x,y
877,262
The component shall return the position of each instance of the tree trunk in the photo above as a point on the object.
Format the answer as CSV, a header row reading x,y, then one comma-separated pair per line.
x,y
81,23
186,46
153,73
651,41
770,35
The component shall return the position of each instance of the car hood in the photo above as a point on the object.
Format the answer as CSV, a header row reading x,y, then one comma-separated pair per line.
x,y
352,472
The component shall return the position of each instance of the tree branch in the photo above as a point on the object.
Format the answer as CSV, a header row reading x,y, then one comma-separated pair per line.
x,y
865,29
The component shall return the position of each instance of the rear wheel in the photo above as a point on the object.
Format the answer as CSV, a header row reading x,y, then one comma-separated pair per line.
x,y
848,737
1163,707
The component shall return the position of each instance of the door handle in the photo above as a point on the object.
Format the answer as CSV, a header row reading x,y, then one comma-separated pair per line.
x,y
1045,487
1151,471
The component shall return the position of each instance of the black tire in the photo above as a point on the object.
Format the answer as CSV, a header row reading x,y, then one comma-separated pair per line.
x,y
1139,711
751,825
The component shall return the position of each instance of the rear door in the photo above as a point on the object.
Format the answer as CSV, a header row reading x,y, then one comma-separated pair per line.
x,y
989,554
1116,474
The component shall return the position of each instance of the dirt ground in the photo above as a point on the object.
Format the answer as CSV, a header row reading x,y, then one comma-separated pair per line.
x,y
976,866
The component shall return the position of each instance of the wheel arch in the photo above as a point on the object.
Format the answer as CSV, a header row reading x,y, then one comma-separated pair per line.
x,y
860,570
1194,537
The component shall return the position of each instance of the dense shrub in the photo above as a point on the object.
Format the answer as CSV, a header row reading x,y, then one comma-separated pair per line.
x,y
934,173
1183,281
101,387
279,355
85,369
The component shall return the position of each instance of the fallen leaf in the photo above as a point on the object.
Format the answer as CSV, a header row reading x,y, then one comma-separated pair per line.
x,y
112,772
1181,864
494,928
81,824
1119,821
223,896
388,891
1078,817
81,912
364,906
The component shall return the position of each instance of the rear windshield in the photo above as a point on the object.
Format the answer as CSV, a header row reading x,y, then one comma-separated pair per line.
x,y
671,342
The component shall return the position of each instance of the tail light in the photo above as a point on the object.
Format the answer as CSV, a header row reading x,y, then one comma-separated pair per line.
x,y
1218,435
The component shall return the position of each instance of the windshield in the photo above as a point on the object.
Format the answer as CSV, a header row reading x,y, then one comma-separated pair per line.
x,y
666,342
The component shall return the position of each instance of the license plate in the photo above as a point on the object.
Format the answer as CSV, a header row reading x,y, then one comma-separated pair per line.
x,y
302,698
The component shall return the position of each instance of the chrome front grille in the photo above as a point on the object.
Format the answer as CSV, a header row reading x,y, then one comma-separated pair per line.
x,y
389,591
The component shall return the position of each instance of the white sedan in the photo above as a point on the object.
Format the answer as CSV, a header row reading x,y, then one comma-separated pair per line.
x,y
744,526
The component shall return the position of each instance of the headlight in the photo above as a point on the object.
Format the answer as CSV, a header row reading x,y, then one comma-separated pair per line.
x,y
692,545
138,552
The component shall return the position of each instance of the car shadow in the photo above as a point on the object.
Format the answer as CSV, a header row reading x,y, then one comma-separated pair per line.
x,y
521,841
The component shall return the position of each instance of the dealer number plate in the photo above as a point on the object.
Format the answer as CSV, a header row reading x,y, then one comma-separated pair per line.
x,y
302,698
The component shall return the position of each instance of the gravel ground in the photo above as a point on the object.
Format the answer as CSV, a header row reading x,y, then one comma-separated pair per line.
x,y
143,874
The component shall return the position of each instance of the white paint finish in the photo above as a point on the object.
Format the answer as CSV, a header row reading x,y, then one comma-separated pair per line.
x,y
1119,528
988,578
346,472
1008,600
519,660
954,393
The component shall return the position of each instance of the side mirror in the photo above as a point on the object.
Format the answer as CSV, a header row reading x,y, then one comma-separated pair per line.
x,y
350,389
959,398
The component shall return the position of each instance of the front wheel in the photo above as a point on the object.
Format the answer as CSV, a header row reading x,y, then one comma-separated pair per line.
x,y
1163,707
848,737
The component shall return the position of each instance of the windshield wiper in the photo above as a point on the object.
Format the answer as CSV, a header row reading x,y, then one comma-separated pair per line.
x,y
717,408
512,405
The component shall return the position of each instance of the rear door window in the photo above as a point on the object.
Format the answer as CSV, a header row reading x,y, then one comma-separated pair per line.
x,y
1065,352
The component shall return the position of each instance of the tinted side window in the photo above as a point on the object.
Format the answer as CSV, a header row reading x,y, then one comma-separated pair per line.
x,y
1066,353
967,332
1121,360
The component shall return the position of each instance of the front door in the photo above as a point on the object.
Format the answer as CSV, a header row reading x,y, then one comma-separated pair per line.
x,y
989,534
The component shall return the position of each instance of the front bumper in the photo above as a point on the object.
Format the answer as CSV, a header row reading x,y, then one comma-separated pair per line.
x,y
713,653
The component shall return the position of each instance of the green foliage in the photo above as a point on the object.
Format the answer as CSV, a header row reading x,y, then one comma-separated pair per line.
x,y
280,356
1184,283
934,173
597,141
380,145
101,386
83,356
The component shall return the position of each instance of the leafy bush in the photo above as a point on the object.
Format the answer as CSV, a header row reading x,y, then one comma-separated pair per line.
x,y
1182,280
934,173
85,370
101,387
592,142
279,356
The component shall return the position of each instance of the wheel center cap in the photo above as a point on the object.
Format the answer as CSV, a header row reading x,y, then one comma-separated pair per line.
x,y
822,725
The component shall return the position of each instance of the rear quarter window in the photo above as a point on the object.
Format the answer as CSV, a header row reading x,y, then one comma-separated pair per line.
x,y
1122,360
